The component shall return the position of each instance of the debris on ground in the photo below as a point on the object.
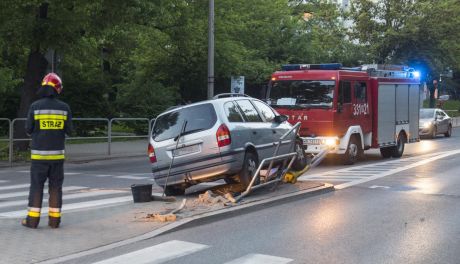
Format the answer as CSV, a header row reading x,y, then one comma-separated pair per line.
x,y
167,216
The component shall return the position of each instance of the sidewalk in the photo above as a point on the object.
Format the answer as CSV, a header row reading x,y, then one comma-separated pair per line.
x,y
91,229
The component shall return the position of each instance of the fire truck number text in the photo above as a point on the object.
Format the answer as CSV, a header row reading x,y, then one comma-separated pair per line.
x,y
360,109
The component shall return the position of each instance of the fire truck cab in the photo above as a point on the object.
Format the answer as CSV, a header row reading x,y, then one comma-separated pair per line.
x,y
349,110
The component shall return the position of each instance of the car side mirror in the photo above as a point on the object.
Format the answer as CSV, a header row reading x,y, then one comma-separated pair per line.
x,y
280,119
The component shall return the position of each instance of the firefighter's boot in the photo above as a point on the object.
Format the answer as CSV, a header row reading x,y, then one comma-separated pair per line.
x,y
54,218
32,219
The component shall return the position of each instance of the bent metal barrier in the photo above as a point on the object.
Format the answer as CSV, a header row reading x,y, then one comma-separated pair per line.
x,y
105,122
282,171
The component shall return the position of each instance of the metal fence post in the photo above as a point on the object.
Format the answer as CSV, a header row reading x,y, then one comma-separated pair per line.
x,y
8,140
109,136
10,150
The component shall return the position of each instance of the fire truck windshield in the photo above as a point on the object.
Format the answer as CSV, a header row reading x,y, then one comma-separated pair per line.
x,y
302,93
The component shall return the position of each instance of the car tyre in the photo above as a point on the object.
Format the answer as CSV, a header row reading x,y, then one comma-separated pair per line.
x,y
301,160
398,150
250,165
449,131
353,152
174,190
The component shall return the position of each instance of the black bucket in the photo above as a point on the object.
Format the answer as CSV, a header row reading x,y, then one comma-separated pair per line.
x,y
141,192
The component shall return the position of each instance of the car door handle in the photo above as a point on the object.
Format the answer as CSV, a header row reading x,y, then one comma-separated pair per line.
x,y
274,131
254,132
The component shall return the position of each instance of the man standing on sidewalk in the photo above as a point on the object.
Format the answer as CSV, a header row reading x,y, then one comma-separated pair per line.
x,y
48,120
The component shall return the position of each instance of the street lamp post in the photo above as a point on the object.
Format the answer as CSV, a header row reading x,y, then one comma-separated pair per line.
x,y
211,50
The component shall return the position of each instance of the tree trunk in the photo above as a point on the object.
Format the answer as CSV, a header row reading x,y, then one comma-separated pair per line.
x,y
36,69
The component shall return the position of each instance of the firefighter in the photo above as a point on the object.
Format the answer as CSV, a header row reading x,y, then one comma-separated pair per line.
x,y
48,120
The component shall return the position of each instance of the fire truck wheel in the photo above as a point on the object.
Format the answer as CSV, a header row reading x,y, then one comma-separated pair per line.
x,y
386,152
301,161
250,165
399,148
353,152
434,132
449,131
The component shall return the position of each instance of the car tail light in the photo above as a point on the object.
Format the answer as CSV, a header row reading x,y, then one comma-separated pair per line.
x,y
223,136
151,153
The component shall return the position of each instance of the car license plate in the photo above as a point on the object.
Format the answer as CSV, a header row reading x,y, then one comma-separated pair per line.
x,y
186,150
312,141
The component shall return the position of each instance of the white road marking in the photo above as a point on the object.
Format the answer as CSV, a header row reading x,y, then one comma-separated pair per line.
x,y
73,206
385,169
65,173
260,259
130,177
25,193
17,186
104,175
65,197
3,181
379,187
157,254
332,179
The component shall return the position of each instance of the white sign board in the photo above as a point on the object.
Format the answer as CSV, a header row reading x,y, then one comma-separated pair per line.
x,y
237,85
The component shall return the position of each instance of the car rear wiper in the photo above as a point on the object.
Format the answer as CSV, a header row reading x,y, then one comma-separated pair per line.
x,y
188,132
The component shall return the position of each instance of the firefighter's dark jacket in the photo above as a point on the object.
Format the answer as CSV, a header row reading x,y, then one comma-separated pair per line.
x,y
48,121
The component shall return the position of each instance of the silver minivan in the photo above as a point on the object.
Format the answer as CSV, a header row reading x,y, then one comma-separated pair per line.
x,y
222,138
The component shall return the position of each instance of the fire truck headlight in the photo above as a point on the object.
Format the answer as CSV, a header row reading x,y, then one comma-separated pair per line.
x,y
330,142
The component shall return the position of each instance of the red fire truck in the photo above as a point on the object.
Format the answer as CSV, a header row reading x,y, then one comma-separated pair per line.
x,y
349,110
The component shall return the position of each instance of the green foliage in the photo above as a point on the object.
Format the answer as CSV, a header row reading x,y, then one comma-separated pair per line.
x,y
137,58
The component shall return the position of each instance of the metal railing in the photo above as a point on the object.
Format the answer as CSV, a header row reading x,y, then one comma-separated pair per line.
x,y
282,171
107,132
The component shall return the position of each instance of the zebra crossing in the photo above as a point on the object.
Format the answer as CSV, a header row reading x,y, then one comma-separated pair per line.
x,y
350,176
13,198
126,176
176,251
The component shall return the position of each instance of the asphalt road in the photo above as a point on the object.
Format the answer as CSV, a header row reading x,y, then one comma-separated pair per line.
x,y
409,212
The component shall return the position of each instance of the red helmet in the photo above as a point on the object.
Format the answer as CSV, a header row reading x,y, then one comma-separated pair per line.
x,y
53,80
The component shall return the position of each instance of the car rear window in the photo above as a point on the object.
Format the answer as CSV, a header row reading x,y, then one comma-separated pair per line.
x,y
200,117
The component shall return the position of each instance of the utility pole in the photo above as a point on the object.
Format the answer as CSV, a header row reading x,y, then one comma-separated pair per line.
x,y
211,50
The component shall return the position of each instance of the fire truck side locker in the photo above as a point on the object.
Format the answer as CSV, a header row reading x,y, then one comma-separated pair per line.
x,y
396,109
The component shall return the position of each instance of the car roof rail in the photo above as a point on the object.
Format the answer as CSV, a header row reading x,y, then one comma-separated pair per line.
x,y
223,95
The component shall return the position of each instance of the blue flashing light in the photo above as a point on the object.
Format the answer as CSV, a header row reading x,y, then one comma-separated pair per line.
x,y
416,74
299,67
